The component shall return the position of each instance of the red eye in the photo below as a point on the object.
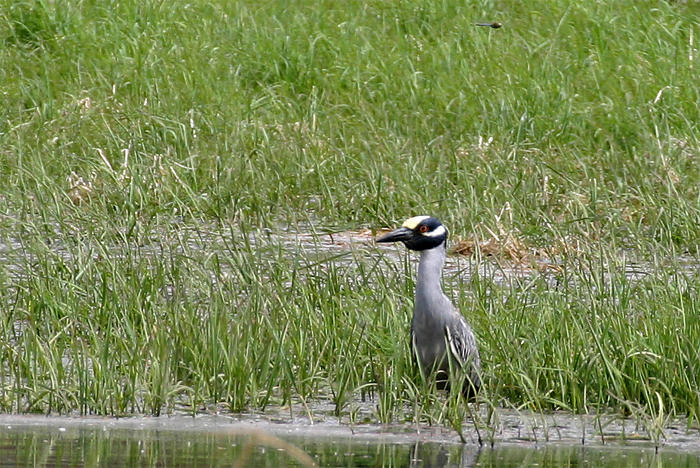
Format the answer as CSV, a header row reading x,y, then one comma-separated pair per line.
x,y
423,229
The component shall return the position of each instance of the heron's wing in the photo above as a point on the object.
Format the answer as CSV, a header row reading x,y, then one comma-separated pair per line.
x,y
462,343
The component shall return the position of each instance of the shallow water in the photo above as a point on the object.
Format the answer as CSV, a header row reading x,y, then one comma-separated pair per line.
x,y
310,242
220,441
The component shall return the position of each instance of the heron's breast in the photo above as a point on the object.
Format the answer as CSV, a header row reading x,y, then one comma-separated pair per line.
x,y
430,349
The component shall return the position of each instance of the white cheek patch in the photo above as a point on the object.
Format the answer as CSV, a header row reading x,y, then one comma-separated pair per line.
x,y
437,232
411,223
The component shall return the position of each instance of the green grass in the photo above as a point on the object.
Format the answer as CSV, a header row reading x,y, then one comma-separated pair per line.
x,y
143,144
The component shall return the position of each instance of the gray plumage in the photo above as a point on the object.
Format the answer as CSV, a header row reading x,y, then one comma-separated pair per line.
x,y
437,327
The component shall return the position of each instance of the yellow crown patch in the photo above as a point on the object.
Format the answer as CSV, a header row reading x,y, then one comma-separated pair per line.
x,y
411,223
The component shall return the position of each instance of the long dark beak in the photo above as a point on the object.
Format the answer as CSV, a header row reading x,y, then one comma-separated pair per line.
x,y
400,234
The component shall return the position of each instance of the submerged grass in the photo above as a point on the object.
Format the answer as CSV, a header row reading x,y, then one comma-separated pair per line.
x,y
146,147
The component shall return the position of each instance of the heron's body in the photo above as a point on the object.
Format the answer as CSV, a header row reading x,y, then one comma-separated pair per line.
x,y
439,333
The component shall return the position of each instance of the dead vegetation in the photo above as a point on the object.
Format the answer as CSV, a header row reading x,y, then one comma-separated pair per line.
x,y
507,246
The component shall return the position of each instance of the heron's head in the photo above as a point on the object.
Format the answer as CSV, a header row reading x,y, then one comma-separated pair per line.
x,y
418,233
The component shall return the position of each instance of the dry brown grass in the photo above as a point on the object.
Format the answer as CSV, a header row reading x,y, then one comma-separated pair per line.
x,y
509,247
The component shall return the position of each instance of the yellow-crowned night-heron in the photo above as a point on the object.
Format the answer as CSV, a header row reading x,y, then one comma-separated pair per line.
x,y
437,327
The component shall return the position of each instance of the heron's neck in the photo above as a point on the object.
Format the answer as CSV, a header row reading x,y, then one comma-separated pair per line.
x,y
428,286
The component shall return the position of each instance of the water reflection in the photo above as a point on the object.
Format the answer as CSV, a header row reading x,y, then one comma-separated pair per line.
x,y
100,446
435,455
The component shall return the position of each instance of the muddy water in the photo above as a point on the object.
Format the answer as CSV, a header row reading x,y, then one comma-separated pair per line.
x,y
246,441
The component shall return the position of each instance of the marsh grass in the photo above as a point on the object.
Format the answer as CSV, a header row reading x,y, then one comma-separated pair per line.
x,y
152,152
198,318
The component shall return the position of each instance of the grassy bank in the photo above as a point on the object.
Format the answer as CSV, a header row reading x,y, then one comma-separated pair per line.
x,y
142,146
